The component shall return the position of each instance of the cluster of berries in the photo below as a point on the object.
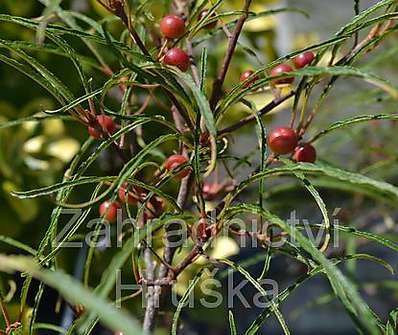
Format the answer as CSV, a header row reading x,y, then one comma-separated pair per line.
x,y
173,27
302,60
281,140
131,195
284,140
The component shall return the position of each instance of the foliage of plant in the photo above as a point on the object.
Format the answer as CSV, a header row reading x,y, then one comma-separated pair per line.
x,y
157,110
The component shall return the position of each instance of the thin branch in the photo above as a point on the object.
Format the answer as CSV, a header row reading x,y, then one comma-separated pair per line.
x,y
194,68
188,260
218,83
170,248
155,292
157,256
266,109
6,316
356,12
169,251
151,299
117,8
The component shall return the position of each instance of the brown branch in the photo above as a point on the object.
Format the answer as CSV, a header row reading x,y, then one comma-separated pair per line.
x,y
181,201
266,109
154,293
157,256
150,296
6,316
194,68
117,8
218,83
195,252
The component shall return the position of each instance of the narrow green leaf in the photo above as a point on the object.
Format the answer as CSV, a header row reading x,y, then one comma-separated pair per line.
x,y
91,180
203,69
17,244
47,75
352,121
201,100
232,325
366,13
382,188
59,186
238,92
368,236
28,71
37,118
75,102
321,204
62,30
343,288
183,300
283,295
259,288
392,323
74,292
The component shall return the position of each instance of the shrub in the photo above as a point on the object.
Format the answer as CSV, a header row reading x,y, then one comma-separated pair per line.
x,y
158,110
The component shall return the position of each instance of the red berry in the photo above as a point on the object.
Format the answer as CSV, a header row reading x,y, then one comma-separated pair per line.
x,y
125,195
177,57
106,123
172,26
282,140
94,133
201,231
156,206
304,59
280,69
304,153
246,75
175,161
204,138
204,14
108,210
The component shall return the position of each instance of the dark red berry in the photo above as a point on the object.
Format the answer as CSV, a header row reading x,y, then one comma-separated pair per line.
x,y
280,69
304,59
304,153
126,195
204,138
156,207
172,26
282,140
246,75
177,57
201,231
175,161
94,133
204,14
108,210
105,123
